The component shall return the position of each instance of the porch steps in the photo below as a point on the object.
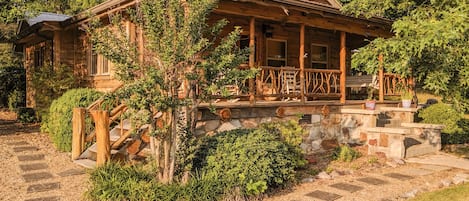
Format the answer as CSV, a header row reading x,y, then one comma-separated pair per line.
x,y
86,163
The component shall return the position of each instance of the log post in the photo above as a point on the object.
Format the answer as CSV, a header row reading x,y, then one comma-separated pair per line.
x,y
381,78
252,56
302,62
343,68
78,137
101,119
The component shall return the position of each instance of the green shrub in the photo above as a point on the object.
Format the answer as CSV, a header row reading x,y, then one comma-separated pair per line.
x,y
26,115
115,182
12,78
58,122
254,160
345,153
441,113
16,99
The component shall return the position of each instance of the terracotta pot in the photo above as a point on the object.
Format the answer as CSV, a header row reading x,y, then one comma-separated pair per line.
x,y
370,104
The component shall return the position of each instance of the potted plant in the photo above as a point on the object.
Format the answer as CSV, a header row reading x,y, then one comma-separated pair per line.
x,y
406,98
370,102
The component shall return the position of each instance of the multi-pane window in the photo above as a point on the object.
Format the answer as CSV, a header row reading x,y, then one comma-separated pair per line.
x,y
39,54
99,65
276,52
319,56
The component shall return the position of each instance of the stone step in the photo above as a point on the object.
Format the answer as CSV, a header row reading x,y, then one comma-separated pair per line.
x,y
115,134
419,150
124,125
87,163
94,149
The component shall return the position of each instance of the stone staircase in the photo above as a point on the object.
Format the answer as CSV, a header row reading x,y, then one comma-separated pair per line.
x,y
88,157
392,131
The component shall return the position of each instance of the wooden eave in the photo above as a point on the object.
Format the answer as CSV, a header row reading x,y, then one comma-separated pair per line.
x,y
99,10
330,19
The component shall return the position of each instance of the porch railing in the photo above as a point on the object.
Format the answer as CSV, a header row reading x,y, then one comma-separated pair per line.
x,y
393,84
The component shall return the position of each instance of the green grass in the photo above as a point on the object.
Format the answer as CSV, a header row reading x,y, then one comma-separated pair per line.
x,y
455,193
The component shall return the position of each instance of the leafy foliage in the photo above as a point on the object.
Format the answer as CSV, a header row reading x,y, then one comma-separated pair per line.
x,y
253,160
430,43
16,99
26,115
441,113
185,61
345,153
49,83
12,79
116,182
58,122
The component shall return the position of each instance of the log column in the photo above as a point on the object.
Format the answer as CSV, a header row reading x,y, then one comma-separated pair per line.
x,y
381,78
101,119
302,62
343,69
252,56
78,137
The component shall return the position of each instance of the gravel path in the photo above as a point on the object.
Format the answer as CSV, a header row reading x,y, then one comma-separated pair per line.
x,y
31,169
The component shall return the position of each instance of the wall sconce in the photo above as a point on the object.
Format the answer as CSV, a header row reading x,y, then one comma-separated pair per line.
x,y
268,30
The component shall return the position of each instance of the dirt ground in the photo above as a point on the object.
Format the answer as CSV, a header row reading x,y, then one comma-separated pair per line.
x,y
14,180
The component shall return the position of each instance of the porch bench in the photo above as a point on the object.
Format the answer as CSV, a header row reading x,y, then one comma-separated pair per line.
x,y
361,81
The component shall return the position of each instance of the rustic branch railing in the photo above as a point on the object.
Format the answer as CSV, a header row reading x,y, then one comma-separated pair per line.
x,y
393,83
322,82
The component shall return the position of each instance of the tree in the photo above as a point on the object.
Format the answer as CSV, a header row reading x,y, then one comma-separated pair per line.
x,y
183,62
430,43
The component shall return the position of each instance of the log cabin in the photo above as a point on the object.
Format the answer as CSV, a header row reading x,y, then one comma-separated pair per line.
x,y
302,47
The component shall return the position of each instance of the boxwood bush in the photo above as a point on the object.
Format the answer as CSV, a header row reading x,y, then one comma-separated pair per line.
x,y
252,160
441,113
58,122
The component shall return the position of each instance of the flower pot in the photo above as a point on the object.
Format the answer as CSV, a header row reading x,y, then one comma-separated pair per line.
x,y
406,103
370,104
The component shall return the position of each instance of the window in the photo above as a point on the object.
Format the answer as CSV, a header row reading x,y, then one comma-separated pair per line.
x,y
99,65
276,52
319,56
39,54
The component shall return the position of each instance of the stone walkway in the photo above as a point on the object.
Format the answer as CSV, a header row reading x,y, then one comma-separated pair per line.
x,y
38,182
386,184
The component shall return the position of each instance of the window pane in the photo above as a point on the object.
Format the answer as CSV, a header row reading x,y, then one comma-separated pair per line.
x,y
104,66
94,63
319,53
276,49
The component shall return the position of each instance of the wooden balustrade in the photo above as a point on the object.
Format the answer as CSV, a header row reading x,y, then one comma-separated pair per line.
x,y
393,83
322,82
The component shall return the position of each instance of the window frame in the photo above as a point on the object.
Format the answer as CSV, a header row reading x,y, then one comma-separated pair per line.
x,y
326,62
285,59
97,63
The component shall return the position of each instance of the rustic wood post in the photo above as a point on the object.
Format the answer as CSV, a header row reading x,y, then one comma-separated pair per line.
x,y
302,62
343,68
252,56
101,119
381,78
78,137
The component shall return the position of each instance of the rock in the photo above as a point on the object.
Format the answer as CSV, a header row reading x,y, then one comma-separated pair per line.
x,y
234,124
323,175
334,174
445,183
249,123
460,178
311,159
329,144
212,125
200,125
399,161
316,145
410,194
307,180
392,164
315,118
266,120
305,147
315,133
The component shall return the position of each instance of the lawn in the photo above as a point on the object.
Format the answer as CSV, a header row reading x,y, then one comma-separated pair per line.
x,y
455,193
